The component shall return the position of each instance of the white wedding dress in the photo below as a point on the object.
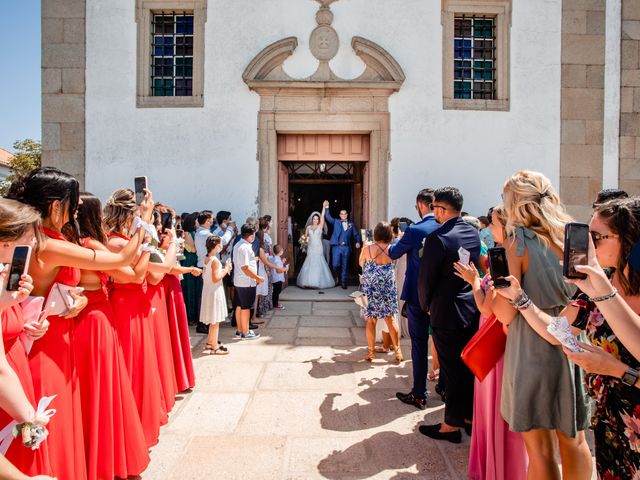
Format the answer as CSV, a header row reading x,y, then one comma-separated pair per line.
x,y
315,272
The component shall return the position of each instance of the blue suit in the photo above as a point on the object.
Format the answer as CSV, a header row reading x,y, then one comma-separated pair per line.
x,y
341,240
411,244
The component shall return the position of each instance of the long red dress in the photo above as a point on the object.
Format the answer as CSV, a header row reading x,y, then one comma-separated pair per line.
x,y
29,462
53,369
179,329
114,440
160,318
134,329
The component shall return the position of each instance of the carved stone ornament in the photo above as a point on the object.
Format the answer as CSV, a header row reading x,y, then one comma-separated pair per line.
x,y
382,70
324,43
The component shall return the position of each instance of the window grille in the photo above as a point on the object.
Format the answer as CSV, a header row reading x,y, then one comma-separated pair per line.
x,y
171,54
474,52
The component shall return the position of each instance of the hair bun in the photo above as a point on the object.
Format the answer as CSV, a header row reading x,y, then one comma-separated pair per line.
x,y
17,189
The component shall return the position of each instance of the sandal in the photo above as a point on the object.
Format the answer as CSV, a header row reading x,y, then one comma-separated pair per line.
x,y
433,375
221,350
371,354
381,349
399,357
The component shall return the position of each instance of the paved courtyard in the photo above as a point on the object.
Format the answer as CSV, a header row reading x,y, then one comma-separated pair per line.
x,y
300,403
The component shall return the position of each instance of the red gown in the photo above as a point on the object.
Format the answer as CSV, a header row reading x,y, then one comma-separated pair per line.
x,y
179,328
134,329
29,462
156,296
53,369
114,440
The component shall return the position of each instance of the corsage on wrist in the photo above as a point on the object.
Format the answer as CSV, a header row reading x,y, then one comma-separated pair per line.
x,y
522,301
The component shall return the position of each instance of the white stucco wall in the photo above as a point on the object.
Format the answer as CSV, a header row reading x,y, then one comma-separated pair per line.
x,y
206,157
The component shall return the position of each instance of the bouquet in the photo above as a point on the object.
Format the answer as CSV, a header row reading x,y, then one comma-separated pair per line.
x,y
304,242
33,432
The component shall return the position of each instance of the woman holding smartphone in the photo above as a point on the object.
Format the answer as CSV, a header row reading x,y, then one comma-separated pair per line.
x,y
543,395
56,195
19,225
613,378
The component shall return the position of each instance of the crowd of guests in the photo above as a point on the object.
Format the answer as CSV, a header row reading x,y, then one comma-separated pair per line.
x,y
115,354
539,394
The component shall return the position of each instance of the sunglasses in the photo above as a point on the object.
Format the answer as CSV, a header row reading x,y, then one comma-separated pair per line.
x,y
432,207
596,237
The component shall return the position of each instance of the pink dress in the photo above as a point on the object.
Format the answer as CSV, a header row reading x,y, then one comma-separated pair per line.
x,y
496,453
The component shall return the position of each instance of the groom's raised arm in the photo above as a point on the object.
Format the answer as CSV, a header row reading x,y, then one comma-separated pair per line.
x,y
328,216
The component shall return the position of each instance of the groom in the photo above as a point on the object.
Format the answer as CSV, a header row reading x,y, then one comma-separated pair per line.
x,y
344,232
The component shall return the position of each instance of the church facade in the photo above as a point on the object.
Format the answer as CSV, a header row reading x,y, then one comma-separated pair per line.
x,y
256,106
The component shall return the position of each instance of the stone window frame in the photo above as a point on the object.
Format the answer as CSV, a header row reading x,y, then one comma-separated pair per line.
x,y
144,10
501,10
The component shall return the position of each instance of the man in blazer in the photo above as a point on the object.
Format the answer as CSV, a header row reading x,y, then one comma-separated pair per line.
x,y
454,315
344,233
410,244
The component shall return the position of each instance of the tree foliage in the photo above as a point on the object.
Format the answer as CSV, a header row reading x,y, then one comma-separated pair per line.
x,y
27,156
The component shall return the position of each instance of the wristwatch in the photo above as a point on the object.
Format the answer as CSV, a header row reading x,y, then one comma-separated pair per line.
x,y
630,377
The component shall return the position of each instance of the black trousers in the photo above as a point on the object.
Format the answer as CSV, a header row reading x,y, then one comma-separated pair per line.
x,y
277,288
198,294
459,379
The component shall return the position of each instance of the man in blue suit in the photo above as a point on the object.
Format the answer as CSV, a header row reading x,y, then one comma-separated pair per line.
x,y
454,315
344,233
410,243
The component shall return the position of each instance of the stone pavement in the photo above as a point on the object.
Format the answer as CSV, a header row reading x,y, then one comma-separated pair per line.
x,y
301,403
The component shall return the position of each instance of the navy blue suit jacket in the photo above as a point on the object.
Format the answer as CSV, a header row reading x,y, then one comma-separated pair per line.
x,y
411,243
340,235
448,298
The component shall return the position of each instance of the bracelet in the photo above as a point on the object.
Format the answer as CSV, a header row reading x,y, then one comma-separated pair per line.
x,y
524,306
521,300
608,296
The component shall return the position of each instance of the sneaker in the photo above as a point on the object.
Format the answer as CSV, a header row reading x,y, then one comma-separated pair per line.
x,y
238,334
280,307
250,336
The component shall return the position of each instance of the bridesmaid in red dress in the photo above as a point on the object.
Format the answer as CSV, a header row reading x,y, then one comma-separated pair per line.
x,y
160,318
132,316
55,195
114,439
179,328
19,225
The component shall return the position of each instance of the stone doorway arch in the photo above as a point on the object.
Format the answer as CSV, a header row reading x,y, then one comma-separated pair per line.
x,y
323,104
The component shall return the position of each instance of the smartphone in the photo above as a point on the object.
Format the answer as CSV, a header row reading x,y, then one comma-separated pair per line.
x,y
369,235
403,226
499,267
140,184
167,221
576,246
19,266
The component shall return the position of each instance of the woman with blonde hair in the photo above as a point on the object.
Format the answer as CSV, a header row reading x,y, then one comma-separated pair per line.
x,y
543,395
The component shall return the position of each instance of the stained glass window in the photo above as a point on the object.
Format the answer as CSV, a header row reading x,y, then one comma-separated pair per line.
x,y
474,62
171,54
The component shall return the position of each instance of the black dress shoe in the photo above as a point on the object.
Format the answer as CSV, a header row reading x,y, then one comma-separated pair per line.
x,y
433,431
411,399
467,428
253,326
202,328
344,286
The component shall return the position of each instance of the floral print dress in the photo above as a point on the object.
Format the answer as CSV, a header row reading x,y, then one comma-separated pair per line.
x,y
616,420
379,285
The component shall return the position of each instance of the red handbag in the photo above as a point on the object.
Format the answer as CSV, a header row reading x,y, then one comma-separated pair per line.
x,y
485,348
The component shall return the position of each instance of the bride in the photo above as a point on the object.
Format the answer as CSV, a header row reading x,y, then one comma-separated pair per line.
x,y
315,272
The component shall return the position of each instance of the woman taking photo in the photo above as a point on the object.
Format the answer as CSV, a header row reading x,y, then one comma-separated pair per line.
x,y
19,225
56,195
132,313
612,377
379,285
113,435
543,395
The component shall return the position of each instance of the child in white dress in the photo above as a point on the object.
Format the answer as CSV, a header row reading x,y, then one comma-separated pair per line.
x,y
214,304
